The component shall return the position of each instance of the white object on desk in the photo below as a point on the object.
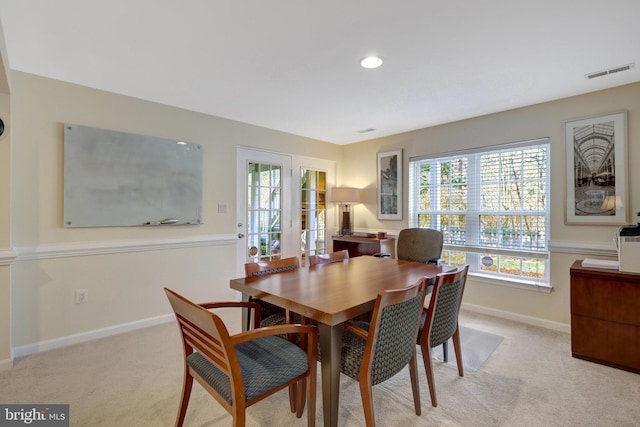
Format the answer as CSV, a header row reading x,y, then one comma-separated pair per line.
x,y
600,263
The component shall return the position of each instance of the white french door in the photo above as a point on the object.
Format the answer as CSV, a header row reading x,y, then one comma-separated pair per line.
x,y
281,206
264,224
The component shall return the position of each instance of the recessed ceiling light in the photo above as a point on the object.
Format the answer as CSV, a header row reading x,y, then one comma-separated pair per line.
x,y
371,62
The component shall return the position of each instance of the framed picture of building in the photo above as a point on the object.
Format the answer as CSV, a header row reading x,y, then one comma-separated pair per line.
x,y
596,153
390,185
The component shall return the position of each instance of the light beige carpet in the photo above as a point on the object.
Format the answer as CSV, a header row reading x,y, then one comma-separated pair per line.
x,y
134,380
477,345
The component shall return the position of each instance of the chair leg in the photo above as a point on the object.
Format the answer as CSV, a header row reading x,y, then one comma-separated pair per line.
x,y
426,358
415,385
445,351
184,400
367,401
301,389
458,350
292,397
239,417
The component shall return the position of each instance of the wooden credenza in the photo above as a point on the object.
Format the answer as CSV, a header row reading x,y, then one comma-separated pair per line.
x,y
605,316
358,246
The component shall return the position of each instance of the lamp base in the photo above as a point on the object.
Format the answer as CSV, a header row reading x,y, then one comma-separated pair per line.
x,y
345,226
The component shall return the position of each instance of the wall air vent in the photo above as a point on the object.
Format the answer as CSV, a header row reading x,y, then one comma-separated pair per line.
x,y
626,67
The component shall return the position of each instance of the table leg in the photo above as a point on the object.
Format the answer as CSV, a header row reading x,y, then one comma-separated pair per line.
x,y
244,313
330,349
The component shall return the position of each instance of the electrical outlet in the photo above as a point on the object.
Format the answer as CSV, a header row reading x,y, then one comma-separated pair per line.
x,y
82,296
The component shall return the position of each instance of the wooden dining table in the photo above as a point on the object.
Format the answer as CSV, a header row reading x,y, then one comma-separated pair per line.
x,y
331,294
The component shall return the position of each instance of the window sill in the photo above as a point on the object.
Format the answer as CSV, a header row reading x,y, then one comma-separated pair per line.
x,y
527,285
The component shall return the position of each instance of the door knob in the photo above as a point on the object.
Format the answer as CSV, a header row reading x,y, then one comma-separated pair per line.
x,y
240,235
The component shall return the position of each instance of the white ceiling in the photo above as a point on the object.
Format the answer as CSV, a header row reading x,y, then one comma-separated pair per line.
x,y
293,65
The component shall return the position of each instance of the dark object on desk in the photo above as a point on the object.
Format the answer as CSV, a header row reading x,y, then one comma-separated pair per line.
x,y
438,325
630,230
374,352
358,246
605,316
382,255
240,370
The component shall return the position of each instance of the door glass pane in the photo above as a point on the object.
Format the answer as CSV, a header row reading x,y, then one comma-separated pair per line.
x,y
264,211
313,212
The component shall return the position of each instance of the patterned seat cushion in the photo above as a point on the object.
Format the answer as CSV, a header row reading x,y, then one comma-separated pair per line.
x,y
265,363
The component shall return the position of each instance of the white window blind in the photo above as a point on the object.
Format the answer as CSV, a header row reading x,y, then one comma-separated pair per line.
x,y
492,206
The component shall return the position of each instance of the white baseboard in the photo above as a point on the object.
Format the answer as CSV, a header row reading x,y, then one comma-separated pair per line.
x,y
534,321
88,336
145,323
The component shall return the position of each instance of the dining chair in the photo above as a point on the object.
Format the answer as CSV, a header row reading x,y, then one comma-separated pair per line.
x,y
422,245
241,370
374,352
271,314
330,257
439,321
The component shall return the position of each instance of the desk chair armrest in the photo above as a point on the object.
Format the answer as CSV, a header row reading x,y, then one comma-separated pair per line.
x,y
229,304
236,304
310,330
362,333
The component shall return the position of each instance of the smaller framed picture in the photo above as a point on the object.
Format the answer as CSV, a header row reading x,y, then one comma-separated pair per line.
x,y
390,185
596,157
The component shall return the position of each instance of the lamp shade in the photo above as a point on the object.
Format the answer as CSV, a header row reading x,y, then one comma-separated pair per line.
x,y
345,195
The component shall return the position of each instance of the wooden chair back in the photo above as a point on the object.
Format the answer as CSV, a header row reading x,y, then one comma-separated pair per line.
x,y
330,257
268,267
441,320
209,348
389,343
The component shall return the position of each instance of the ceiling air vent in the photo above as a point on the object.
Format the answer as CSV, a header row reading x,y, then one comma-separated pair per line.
x,y
609,71
366,130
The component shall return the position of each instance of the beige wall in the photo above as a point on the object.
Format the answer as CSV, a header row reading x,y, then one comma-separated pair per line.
x,y
6,254
125,286
543,120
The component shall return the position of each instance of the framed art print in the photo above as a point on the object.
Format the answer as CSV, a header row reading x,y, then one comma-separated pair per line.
x,y
389,192
596,186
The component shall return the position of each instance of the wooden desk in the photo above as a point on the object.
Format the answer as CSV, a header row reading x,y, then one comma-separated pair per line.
x,y
332,294
358,246
605,316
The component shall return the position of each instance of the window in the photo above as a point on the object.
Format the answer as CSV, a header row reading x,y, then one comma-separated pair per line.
x,y
492,206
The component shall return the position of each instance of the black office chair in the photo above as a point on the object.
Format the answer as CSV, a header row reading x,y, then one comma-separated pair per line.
x,y
420,245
